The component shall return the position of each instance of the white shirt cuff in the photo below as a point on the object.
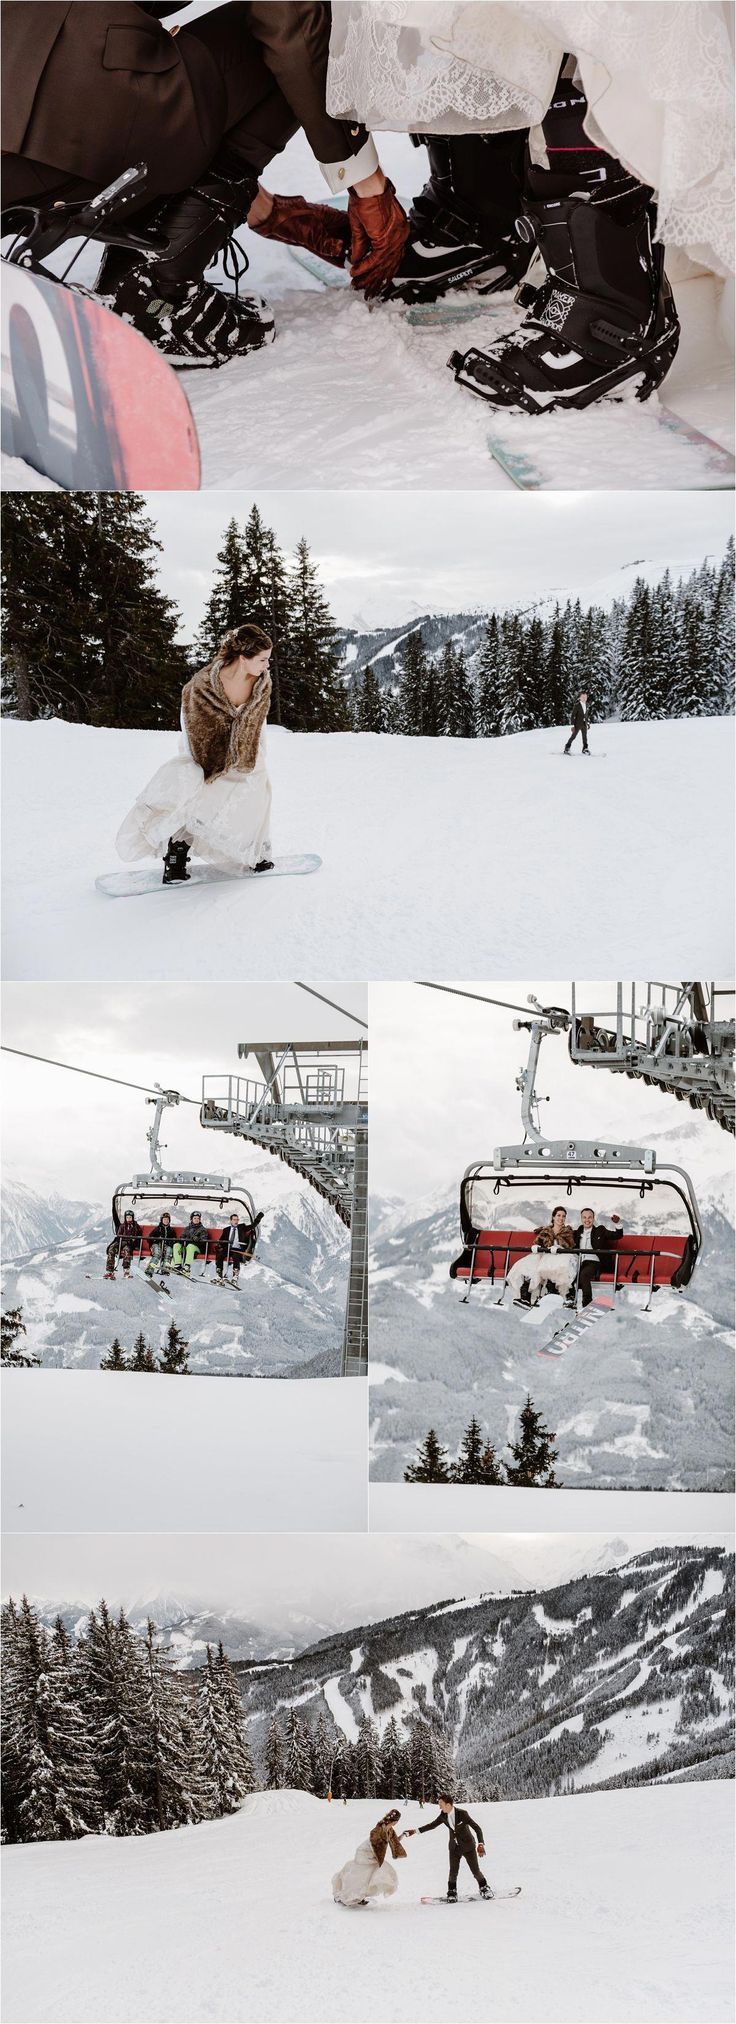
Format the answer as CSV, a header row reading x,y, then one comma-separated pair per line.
x,y
341,175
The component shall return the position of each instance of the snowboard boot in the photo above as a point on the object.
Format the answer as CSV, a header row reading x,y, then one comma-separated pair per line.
x,y
485,1890
523,1298
175,863
603,321
109,1275
236,1278
452,1894
266,864
164,294
463,223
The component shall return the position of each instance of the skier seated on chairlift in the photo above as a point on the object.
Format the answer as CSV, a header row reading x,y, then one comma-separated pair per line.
x,y
593,1238
192,1243
550,1267
236,1245
161,1246
125,1243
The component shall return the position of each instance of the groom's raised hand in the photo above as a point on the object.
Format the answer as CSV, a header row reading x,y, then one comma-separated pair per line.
x,y
379,232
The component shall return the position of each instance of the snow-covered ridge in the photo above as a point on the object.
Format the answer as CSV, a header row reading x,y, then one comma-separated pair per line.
x,y
558,1690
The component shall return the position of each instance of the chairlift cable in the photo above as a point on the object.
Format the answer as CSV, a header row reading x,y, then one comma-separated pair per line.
x,y
454,992
143,1087
333,1007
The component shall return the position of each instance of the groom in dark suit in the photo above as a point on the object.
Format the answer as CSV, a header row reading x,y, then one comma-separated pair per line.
x,y
461,1830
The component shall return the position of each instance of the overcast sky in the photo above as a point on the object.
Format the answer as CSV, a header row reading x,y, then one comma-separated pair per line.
x,y
68,1134
352,1577
386,557
443,1089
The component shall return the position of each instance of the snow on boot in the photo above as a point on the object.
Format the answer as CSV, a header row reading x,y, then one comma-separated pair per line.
x,y
604,322
463,222
164,294
175,863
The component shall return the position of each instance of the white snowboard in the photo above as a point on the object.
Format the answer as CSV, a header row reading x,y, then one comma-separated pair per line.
x,y
122,885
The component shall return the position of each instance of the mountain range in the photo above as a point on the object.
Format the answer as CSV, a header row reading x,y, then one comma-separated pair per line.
x,y
285,1321
619,1675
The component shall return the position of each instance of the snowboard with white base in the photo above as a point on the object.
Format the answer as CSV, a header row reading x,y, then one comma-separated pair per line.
x,y
123,885
465,1898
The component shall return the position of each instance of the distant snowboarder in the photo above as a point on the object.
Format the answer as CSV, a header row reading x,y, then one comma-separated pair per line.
x,y
369,1874
461,1830
579,723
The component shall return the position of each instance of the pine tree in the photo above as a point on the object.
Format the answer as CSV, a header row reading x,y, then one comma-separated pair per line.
x,y
431,1463
412,690
169,1764
489,695
14,1326
391,1769
298,1766
173,1360
227,604
241,1761
275,1759
115,1359
77,1795
143,1357
370,706
227,1758
534,1455
313,696
321,1755
367,1757
115,1695
460,709
29,1796
476,1463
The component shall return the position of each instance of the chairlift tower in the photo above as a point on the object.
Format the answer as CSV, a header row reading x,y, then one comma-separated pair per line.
x,y
675,1037
298,1109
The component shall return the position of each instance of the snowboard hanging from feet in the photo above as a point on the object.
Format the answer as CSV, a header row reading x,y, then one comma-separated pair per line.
x,y
86,400
123,885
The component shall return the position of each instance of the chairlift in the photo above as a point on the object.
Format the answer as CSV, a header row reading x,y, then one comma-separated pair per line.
x,y
150,1196
505,1199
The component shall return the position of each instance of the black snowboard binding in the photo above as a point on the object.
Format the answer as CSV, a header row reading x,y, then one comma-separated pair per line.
x,y
164,294
603,321
463,221
175,863
265,864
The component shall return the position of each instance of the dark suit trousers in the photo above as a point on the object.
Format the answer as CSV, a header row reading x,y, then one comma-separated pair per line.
x,y
464,1851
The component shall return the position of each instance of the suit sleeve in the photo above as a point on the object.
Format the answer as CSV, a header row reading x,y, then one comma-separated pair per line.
x,y
476,1829
429,1824
294,42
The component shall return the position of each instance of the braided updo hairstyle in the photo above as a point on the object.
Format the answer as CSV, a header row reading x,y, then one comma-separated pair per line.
x,y
247,640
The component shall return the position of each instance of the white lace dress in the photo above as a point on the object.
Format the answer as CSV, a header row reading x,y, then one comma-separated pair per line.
x,y
364,1877
657,74
226,821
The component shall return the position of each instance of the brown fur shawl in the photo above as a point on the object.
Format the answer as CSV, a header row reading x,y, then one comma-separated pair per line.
x,y
545,1238
221,738
384,1836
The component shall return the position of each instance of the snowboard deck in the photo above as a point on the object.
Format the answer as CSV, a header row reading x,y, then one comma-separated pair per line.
x,y
464,1898
519,465
120,885
86,400
572,1330
578,755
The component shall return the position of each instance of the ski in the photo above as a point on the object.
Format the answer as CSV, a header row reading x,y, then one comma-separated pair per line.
x,y
120,885
86,400
465,1899
157,1284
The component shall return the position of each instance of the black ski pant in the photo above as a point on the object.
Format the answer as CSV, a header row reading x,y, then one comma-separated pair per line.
x,y
245,113
466,1853
582,732
226,1255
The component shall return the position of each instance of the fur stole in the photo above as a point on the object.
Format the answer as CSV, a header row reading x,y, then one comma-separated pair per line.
x,y
221,738
384,1836
545,1238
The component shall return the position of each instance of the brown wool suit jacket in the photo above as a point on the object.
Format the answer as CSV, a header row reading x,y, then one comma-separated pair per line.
x,y
89,88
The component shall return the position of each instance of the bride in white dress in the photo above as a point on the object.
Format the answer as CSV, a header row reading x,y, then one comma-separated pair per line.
x,y
369,1874
215,796
657,76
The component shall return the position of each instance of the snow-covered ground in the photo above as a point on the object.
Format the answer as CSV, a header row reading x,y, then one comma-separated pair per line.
x,y
435,854
352,393
624,1915
89,1451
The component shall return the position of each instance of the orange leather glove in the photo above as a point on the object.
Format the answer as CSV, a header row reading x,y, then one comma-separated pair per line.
x,y
379,232
320,227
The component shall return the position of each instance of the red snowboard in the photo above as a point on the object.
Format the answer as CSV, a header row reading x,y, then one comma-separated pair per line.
x,y
85,399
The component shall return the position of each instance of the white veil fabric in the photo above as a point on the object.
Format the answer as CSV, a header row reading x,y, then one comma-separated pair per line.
x,y
657,75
